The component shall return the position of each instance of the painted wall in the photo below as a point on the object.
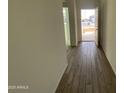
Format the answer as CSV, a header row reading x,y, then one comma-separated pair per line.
x,y
72,20
87,4
37,51
108,27
76,22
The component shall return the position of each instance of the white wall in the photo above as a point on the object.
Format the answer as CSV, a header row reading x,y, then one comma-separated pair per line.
x,y
108,27
76,22
37,51
87,4
73,21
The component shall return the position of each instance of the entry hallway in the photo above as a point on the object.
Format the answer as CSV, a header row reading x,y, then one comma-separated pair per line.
x,y
88,71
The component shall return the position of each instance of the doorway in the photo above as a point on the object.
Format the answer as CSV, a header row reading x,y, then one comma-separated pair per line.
x,y
66,26
89,21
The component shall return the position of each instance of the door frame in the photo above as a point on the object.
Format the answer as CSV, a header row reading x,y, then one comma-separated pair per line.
x,y
97,35
97,26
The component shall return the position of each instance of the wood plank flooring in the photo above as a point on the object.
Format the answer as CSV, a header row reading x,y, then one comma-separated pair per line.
x,y
88,71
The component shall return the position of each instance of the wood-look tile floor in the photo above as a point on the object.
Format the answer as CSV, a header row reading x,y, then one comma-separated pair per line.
x,y
88,71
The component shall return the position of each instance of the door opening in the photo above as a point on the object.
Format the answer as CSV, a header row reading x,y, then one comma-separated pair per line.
x,y
66,26
89,21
